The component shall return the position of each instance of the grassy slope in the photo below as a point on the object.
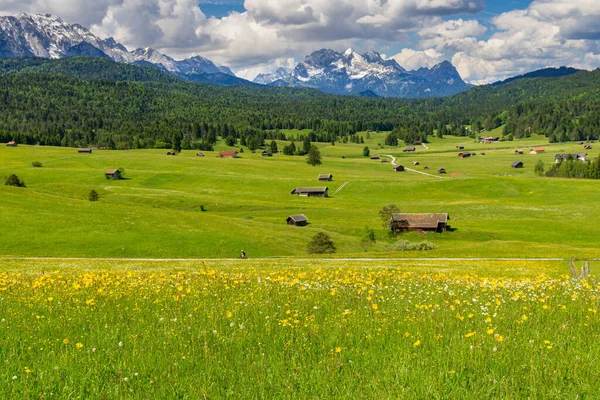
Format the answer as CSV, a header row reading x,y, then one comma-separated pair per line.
x,y
497,211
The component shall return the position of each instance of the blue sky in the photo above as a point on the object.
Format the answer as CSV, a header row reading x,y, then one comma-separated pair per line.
x,y
486,40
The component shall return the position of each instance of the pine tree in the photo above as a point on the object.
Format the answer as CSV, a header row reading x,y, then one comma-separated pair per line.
x,y
314,156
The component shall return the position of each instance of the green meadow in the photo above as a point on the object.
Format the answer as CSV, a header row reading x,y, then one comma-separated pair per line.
x,y
156,212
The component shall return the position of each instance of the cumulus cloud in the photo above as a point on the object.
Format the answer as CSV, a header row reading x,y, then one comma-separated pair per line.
x,y
413,59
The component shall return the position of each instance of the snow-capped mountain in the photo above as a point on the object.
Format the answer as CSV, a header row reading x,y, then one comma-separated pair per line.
x,y
353,73
47,36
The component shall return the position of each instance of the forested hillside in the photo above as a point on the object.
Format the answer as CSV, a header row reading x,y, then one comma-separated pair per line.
x,y
84,101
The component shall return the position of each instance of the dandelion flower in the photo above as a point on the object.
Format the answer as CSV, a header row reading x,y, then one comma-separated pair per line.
x,y
500,338
338,349
66,341
79,345
374,306
229,314
417,343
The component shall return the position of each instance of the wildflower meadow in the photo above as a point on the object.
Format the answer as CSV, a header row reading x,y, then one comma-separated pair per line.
x,y
297,329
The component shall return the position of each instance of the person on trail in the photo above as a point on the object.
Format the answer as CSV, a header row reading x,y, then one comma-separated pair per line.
x,y
243,254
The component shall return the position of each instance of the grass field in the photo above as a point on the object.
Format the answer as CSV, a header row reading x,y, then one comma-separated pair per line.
x,y
297,329
497,211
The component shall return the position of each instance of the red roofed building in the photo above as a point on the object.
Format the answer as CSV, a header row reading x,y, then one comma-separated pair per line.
x,y
228,154
12,144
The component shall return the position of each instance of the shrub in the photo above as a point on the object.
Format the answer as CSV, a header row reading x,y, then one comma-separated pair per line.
x,y
386,214
321,243
13,180
36,164
93,196
366,151
405,245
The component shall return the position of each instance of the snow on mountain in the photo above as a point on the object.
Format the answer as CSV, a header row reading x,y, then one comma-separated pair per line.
x,y
47,36
353,73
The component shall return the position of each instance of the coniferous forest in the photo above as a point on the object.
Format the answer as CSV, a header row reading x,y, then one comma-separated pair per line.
x,y
85,101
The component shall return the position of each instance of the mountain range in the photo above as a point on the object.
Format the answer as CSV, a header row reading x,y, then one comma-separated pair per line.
x,y
353,73
48,36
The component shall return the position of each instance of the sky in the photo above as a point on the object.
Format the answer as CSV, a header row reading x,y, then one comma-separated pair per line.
x,y
486,40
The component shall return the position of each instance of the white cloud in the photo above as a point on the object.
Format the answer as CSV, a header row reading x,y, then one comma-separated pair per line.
x,y
413,59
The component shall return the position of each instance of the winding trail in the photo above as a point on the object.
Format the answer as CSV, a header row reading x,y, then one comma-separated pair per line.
x,y
343,185
413,170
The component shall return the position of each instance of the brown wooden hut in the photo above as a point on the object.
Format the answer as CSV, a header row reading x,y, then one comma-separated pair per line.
x,y
113,174
297,220
84,151
419,222
311,191
325,177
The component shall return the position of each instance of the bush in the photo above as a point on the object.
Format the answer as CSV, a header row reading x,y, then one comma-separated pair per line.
x,y
13,180
93,196
405,245
36,164
321,243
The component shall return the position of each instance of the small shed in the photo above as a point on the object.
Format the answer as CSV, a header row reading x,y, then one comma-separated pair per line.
x,y
265,153
415,163
473,154
113,174
537,150
311,191
228,154
409,149
517,164
482,153
464,155
297,220
200,154
375,157
399,168
12,144
419,222
587,146
171,153
84,151
518,152
325,177
441,171
426,168
460,147
385,160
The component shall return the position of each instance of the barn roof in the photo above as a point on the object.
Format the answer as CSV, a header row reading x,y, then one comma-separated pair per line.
x,y
228,153
111,171
417,221
298,218
516,163
320,189
325,176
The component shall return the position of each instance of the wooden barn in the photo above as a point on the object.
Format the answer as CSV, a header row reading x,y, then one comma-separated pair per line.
x,y
325,177
297,220
265,153
409,149
375,157
171,153
200,154
399,168
460,147
12,144
84,151
537,150
415,163
113,174
419,222
228,154
311,191
587,146
464,155
518,152
441,171
517,164
385,160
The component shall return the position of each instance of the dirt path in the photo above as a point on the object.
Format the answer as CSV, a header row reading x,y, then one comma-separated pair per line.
x,y
412,170
343,185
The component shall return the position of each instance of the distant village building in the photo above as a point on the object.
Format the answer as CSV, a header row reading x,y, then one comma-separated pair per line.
x,y
385,160
490,139
200,154
464,155
415,163
517,164
12,144
113,174
473,154
483,153
297,220
537,150
576,156
265,153
399,168
460,147
311,191
84,151
441,171
518,152
228,154
419,222
587,146
171,153
325,177
409,149
375,157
